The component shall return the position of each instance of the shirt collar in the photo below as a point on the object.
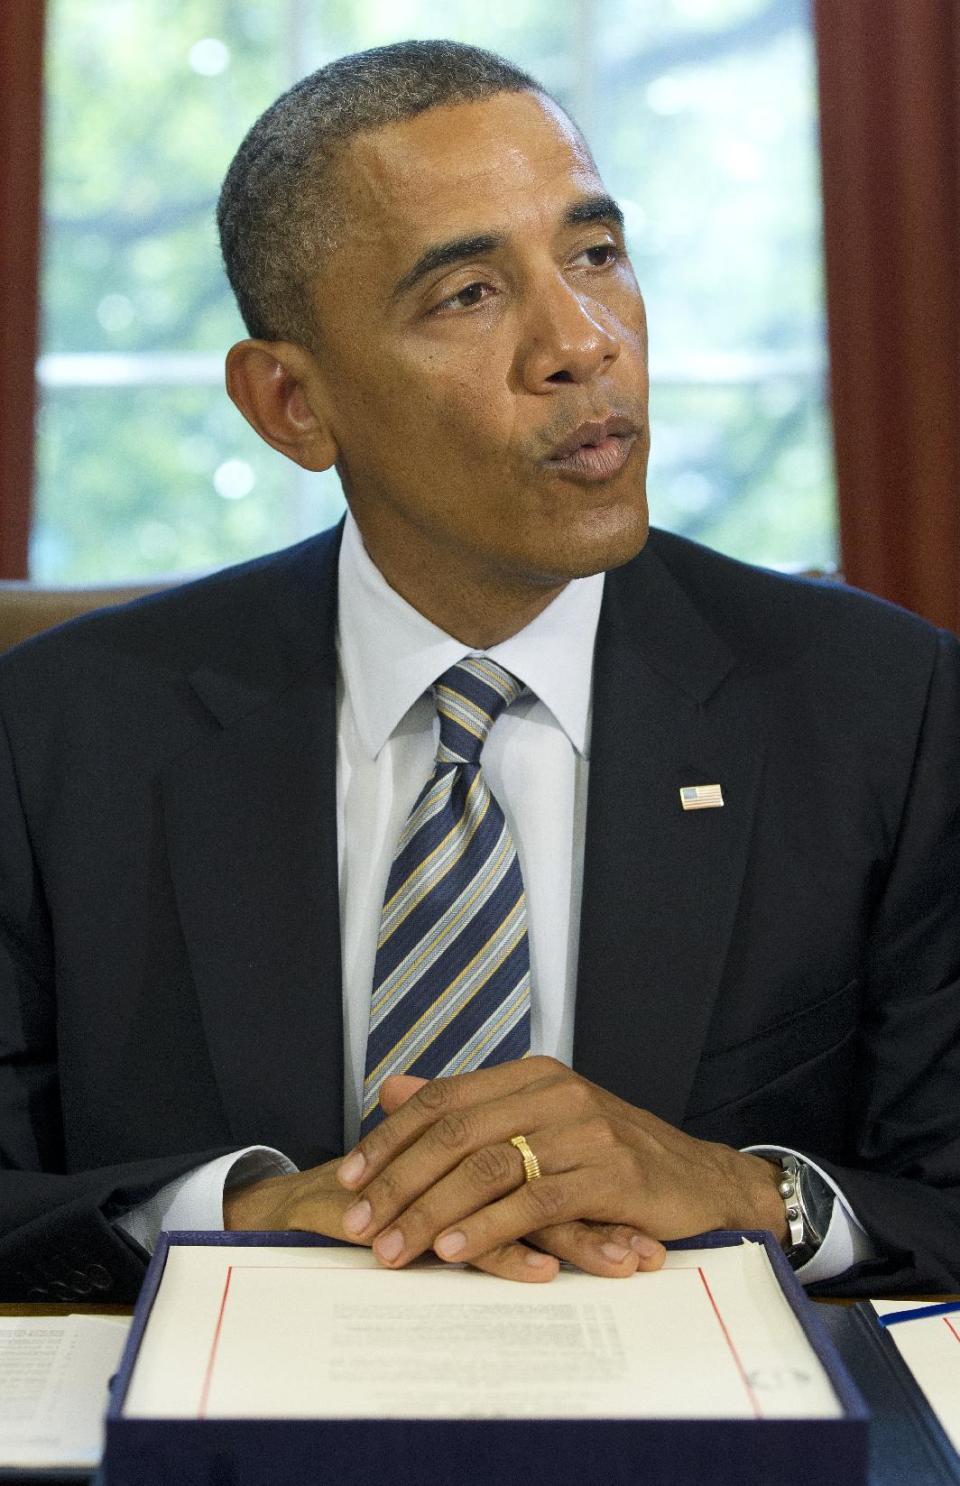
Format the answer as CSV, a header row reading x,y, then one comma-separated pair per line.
x,y
390,654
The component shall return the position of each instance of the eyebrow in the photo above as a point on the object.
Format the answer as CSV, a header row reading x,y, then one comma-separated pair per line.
x,y
599,208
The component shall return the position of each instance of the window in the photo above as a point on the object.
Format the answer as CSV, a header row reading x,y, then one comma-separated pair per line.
x,y
702,115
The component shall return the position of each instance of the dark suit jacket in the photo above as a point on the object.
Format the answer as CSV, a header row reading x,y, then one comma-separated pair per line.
x,y
786,969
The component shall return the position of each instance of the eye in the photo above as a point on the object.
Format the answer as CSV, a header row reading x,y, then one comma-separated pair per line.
x,y
602,255
465,298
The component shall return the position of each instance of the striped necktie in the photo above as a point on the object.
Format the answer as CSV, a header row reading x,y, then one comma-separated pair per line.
x,y
451,984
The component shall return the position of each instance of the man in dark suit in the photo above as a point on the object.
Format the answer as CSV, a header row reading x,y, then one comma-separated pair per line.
x,y
201,794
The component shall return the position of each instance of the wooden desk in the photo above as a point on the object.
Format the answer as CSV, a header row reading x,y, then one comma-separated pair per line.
x,y
64,1308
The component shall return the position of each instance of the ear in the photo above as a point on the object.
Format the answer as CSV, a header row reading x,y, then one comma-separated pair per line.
x,y
277,387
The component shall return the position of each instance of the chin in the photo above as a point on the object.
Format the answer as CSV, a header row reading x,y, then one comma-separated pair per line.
x,y
602,543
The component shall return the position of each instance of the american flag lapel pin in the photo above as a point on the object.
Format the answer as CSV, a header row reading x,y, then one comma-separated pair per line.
x,y
701,797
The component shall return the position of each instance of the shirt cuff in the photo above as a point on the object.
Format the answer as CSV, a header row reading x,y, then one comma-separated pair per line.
x,y
194,1201
846,1241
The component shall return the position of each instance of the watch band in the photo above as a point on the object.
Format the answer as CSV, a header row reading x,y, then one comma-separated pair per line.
x,y
806,1230
788,1189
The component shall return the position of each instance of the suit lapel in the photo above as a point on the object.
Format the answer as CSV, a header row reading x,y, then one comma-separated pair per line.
x,y
250,818
661,885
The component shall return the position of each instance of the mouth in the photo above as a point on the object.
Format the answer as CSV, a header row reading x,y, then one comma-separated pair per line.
x,y
596,450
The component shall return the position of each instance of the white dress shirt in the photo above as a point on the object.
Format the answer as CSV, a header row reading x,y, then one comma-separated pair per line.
x,y
536,762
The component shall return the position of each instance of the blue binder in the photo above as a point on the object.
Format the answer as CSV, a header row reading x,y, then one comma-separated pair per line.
x,y
561,1452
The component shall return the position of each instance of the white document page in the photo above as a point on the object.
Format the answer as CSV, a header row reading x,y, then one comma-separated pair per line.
x,y
327,1333
931,1349
54,1372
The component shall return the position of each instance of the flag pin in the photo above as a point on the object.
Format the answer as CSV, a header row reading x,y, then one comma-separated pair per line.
x,y
701,797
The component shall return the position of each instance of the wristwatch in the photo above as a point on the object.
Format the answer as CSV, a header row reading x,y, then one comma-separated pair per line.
x,y
808,1204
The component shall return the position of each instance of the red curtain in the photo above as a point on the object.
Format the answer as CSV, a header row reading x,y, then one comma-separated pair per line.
x,y
890,137
21,116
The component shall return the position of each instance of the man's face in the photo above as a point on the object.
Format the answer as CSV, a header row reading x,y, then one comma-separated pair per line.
x,y
478,322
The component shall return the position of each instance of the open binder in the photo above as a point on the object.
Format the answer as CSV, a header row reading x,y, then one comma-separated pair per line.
x,y
152,1448
907,1443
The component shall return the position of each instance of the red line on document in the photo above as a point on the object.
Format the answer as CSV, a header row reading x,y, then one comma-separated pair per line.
x,y
208,1376
754,1401
950,1327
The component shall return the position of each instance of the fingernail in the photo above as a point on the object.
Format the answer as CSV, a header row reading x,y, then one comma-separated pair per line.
x,y
388,1246
351,1170
450,1245
356,1218
614,1251
536,1260
644,1246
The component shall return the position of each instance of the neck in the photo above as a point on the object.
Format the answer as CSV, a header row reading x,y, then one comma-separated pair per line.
x,y
478,611
486,622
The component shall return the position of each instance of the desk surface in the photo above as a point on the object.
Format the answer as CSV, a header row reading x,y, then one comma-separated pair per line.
x,y
62,1308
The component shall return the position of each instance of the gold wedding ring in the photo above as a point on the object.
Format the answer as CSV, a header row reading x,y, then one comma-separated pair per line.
x,y
531,1166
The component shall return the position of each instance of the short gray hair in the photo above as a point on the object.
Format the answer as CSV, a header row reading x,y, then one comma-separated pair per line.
x,y
279,210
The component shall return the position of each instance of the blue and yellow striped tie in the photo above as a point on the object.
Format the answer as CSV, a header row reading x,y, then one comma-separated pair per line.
x,y
451,982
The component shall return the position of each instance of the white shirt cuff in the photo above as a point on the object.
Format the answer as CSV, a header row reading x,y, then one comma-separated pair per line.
x,y
845,1242
194,1201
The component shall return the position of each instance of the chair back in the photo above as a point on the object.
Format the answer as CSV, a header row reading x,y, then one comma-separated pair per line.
x,y
26,610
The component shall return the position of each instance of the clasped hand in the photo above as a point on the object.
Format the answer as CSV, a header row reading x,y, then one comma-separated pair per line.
x,y
440,1172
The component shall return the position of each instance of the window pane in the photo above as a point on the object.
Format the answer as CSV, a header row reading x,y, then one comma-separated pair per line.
x,y
705,118
746,469
183,485
702,116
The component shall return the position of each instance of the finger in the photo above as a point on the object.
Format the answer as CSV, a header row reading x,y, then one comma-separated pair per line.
x,y
608,1249
516,1261
590,1248
536,1205
309,1201
397,1089
485,1175
650,1251
438,1097
547,1202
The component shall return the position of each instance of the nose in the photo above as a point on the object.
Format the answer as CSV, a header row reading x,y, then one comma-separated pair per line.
x,y
566,338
